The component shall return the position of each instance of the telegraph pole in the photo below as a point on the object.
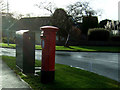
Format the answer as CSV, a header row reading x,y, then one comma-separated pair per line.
x,y
119,11
8,21
7,7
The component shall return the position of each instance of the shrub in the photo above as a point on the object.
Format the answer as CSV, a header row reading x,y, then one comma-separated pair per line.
x,y
89,22
4,39
98,34
115,38
11,40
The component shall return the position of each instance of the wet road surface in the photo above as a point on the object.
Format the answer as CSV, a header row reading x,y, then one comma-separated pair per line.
x,y
102,63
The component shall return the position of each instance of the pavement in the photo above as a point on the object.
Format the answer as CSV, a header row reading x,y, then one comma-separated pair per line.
x,y
9,80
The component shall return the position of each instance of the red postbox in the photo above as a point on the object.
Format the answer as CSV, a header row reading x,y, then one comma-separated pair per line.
x,y
48,53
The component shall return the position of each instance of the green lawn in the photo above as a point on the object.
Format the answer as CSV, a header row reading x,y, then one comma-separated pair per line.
x,y
65,77
97,48
73,48
5,45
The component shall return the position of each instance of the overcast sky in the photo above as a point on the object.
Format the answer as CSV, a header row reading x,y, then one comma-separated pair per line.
x,y
119,11
109,7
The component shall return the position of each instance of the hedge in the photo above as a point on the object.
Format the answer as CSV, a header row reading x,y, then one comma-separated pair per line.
x,y
115,38
11,40
98,34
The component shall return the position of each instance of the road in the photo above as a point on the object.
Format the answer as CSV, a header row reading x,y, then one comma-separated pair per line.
x,y
105,64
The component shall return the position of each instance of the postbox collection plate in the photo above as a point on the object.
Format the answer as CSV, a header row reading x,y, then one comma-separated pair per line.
x,y
43,43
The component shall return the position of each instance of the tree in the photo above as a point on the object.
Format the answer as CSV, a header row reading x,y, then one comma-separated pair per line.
x,y
16,15
2,6
28,15
80,9
63,22
89,22
49,6
103,23
82,12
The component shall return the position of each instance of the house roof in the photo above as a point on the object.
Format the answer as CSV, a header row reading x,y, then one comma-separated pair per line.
x,y
32,23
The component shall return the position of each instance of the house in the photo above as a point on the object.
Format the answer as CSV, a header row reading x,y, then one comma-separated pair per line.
x,y
32,24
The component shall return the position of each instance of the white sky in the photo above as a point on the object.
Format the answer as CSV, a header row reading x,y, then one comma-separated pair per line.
x,y
109,7
119,11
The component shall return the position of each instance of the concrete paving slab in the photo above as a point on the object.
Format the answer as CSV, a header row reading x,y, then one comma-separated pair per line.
x,y
11,81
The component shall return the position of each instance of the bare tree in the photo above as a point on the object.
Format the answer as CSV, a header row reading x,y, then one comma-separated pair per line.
x,y
49,6
17,15
80,9
28,15
2,6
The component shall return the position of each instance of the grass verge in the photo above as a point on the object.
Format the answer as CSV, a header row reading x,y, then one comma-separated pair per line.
x,y
97,48
65,77
73,48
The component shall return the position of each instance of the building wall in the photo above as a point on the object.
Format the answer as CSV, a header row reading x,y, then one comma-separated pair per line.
x,y
37,38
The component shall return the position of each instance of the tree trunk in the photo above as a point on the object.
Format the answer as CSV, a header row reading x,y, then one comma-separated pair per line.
x,y
66,43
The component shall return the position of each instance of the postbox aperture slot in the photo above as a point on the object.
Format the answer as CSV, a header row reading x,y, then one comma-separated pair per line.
x,y
42,35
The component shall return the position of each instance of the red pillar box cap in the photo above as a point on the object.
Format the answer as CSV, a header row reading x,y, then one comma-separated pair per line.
x,y
49,28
